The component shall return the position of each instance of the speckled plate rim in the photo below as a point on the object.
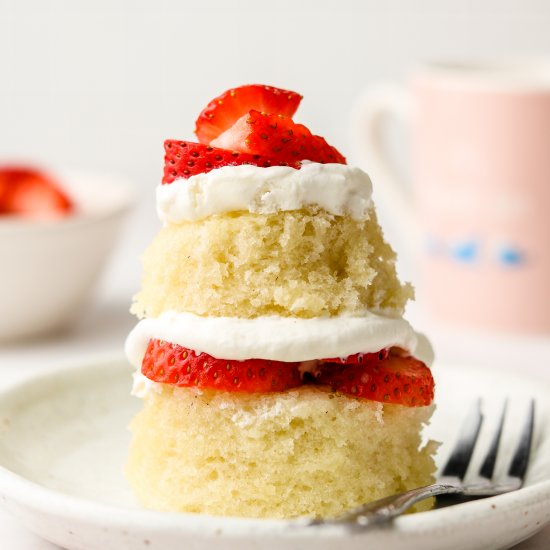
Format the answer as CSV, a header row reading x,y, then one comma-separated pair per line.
x,y
18,493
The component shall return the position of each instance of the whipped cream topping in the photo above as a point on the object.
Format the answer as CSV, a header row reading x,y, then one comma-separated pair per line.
x,y
337,188
288,339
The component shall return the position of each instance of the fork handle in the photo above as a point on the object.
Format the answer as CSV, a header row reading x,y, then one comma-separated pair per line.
x,y
390,507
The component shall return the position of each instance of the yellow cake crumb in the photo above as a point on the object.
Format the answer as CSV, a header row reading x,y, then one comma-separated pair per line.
x,y
302,263
280,455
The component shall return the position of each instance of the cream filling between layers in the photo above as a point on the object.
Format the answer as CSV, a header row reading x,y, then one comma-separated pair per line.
x,y
337,188
288,339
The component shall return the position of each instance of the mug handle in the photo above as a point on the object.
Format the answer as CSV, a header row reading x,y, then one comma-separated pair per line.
x,y
377,108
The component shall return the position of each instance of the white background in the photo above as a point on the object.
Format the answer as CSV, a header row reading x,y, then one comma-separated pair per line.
x,y
99,85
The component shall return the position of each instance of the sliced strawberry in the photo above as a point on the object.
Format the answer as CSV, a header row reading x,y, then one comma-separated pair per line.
x,y
30,193
277,136
172,364
358,358
397,379
184,159
223,111
388,377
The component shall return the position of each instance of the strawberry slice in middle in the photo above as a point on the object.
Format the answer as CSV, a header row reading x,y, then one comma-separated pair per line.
x,y
173,364
389,376
386,377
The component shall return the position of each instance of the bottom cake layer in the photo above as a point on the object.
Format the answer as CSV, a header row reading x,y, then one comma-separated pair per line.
x,y
280,455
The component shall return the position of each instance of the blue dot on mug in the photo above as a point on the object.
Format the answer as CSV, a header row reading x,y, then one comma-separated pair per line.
x,y
510,256
465,251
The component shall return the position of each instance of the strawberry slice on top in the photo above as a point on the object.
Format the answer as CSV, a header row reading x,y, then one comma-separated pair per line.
x,y
184,159
223,111
247,125
277,136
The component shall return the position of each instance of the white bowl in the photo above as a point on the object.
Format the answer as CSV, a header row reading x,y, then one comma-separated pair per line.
x,y
48,268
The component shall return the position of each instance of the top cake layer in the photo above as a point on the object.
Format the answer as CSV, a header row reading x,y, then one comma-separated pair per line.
x,y
304,263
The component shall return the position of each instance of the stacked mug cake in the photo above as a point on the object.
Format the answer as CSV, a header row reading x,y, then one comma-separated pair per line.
x,y
278,375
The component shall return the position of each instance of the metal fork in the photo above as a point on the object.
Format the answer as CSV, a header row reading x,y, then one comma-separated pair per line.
x,y
452,479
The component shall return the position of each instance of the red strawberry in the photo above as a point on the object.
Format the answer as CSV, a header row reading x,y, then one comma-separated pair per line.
x,y
397,379
172,364
277,136
359,358
29,193
222,112
184,159
4,186
384,376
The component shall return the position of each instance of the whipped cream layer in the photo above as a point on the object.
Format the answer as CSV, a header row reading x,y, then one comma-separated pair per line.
x,y
288,339
337,188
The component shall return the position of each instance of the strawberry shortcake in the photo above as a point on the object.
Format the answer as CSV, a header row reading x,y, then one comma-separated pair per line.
x,y
278,375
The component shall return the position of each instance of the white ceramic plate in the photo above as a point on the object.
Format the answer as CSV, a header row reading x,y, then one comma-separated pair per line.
x,y
63,442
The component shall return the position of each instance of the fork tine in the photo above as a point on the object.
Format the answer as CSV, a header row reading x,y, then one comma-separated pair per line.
x,y
458,462
518,466
488,467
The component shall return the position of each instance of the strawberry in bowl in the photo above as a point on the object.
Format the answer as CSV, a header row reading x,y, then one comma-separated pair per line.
x,y
32,194
56,231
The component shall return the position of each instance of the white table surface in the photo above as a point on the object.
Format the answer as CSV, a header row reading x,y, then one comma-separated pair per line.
x,y
102,330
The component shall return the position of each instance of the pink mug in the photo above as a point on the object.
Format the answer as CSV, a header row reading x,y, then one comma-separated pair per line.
x,y
479,203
